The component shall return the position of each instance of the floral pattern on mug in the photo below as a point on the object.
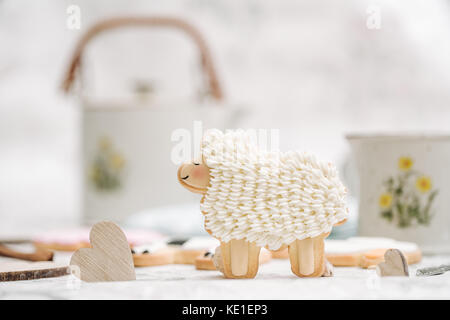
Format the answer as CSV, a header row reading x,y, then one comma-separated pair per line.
x,y
106,170
408,197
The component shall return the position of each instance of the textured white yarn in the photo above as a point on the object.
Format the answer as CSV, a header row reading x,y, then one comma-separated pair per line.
x,y
270,198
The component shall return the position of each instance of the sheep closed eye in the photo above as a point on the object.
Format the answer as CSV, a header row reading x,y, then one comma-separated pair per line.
x,y
184,178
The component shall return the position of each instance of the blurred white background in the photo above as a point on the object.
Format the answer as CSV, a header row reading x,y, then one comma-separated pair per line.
x,y
312,69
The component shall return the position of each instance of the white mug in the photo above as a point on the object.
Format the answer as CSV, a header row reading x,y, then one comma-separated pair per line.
x,y
404,188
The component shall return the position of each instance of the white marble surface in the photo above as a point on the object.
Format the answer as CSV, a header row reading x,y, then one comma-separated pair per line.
x,y
274,281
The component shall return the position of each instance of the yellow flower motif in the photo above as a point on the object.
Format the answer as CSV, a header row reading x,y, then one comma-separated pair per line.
x,y
117,161
94,173
405,163
385,200
104,143
423,184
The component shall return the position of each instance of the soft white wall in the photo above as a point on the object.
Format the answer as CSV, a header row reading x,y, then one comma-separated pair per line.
x,y
310,68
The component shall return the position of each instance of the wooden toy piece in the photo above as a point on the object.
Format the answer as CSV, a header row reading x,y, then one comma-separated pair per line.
x,y
60,247
157,253
340,223
194,247
218,260
245,195
172,251
194,176
264,256
109,259
32,270
282,253
148,258
307,256
328,272
240,259
38,255
187,256
394,264
367,252
206,260
68,239
76,238
374,257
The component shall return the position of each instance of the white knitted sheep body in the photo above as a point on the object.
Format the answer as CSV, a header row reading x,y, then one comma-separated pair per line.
x,y
269,198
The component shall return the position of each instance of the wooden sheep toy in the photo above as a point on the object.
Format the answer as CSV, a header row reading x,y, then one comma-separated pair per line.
x,y
253,198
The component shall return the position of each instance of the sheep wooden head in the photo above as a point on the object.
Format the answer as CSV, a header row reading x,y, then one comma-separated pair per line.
x,y
194,176
254,198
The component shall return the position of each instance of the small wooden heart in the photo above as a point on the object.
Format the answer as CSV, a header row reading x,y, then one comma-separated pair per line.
x,y
394,264
109,259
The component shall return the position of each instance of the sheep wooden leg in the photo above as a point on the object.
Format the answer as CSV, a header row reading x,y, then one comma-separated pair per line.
x,y
240,259
307,256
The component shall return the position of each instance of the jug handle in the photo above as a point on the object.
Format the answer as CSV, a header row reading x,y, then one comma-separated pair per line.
x,y
168,22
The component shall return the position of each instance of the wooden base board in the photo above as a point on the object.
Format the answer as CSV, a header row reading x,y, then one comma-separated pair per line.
x,y
16,271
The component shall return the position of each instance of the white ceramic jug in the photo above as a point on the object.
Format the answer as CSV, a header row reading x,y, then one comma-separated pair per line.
x,y
127,144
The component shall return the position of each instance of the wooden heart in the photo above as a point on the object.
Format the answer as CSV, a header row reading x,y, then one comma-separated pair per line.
x,y
394,264
109,259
